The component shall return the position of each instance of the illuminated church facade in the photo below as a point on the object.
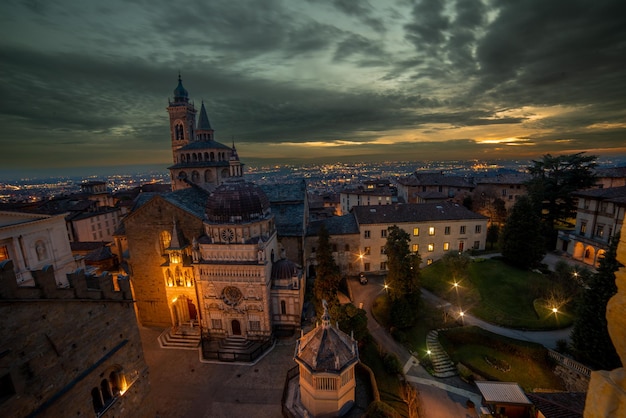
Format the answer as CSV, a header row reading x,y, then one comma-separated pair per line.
x,y
207,254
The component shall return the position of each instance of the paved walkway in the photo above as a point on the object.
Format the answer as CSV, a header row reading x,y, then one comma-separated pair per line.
x,y
446,397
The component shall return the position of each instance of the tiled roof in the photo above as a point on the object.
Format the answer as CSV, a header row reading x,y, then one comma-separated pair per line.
x,y
326,348
435,179
289,192
610,193
413,212
289,219
201,145
192,200
559,404
337,225
503,392
517,178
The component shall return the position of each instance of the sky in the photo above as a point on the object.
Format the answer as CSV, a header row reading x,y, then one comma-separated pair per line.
x,y
87,83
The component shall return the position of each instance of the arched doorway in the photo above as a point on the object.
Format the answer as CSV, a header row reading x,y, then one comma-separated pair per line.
x,y
236,326
183,310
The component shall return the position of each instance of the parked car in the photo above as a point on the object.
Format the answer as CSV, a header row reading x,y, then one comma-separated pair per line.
x,y
362,278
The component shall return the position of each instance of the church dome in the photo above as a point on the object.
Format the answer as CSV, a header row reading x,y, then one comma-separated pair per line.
x,y
237,201
180,93
284,269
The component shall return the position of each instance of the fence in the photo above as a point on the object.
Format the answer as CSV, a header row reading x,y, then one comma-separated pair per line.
x,y
570,363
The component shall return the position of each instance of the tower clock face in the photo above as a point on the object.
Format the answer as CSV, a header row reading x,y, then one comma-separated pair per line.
x,y
228,235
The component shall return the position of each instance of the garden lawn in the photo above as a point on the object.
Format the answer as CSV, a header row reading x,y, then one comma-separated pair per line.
x,y
497,293
527,363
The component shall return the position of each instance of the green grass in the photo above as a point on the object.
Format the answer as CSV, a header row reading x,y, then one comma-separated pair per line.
x,y
529,364
389,386
497,293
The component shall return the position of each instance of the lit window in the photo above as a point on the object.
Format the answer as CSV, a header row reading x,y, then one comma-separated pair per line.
x,y
415,248
4,253
431,230
431,248
416,232
446,246
429,261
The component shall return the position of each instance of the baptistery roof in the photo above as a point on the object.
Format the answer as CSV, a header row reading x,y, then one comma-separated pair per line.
x,y
237,201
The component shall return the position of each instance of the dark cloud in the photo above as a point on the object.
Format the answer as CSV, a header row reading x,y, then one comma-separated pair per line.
x,y
86,81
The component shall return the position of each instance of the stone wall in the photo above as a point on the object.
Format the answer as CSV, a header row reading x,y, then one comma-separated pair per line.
x,y
143,228
58,345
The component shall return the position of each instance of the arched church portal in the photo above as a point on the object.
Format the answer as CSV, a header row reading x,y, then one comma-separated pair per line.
x,y
183,310
236,327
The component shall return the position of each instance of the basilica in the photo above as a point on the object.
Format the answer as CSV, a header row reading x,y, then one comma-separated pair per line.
x,y
211,254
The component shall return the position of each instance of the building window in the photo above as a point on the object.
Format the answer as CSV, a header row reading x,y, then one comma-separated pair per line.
x,y
367,250
446,230
382,250
383,265
366,234
415,248
334,248
255,325
416,232
347,247
216,323
476,245
504,192
283,307
383,233
313,249
431,248
164,239
462,231
446,246
366,266
4,253
477,229
431,230
583,228
429,261
600,230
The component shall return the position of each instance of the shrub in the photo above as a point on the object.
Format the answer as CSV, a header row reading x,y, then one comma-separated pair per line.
x,y
392,364
379,409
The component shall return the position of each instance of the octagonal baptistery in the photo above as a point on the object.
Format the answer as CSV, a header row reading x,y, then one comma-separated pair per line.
x,y
234,261
326,357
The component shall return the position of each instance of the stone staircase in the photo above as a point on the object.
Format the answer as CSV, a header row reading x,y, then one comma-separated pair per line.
x,y
183,337
235,343
442,365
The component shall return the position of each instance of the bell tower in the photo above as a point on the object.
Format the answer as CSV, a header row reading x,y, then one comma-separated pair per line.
x,y
182,119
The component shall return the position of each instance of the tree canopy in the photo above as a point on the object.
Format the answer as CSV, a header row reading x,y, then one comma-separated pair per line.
x,y
521,240
553,180
403,265
327,273
590,336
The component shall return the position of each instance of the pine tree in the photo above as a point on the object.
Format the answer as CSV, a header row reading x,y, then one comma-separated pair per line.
x,y
590,336
521,241
553,180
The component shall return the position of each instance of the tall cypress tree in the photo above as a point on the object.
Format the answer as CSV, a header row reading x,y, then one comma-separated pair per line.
x,y
590,336
327,274
521,241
